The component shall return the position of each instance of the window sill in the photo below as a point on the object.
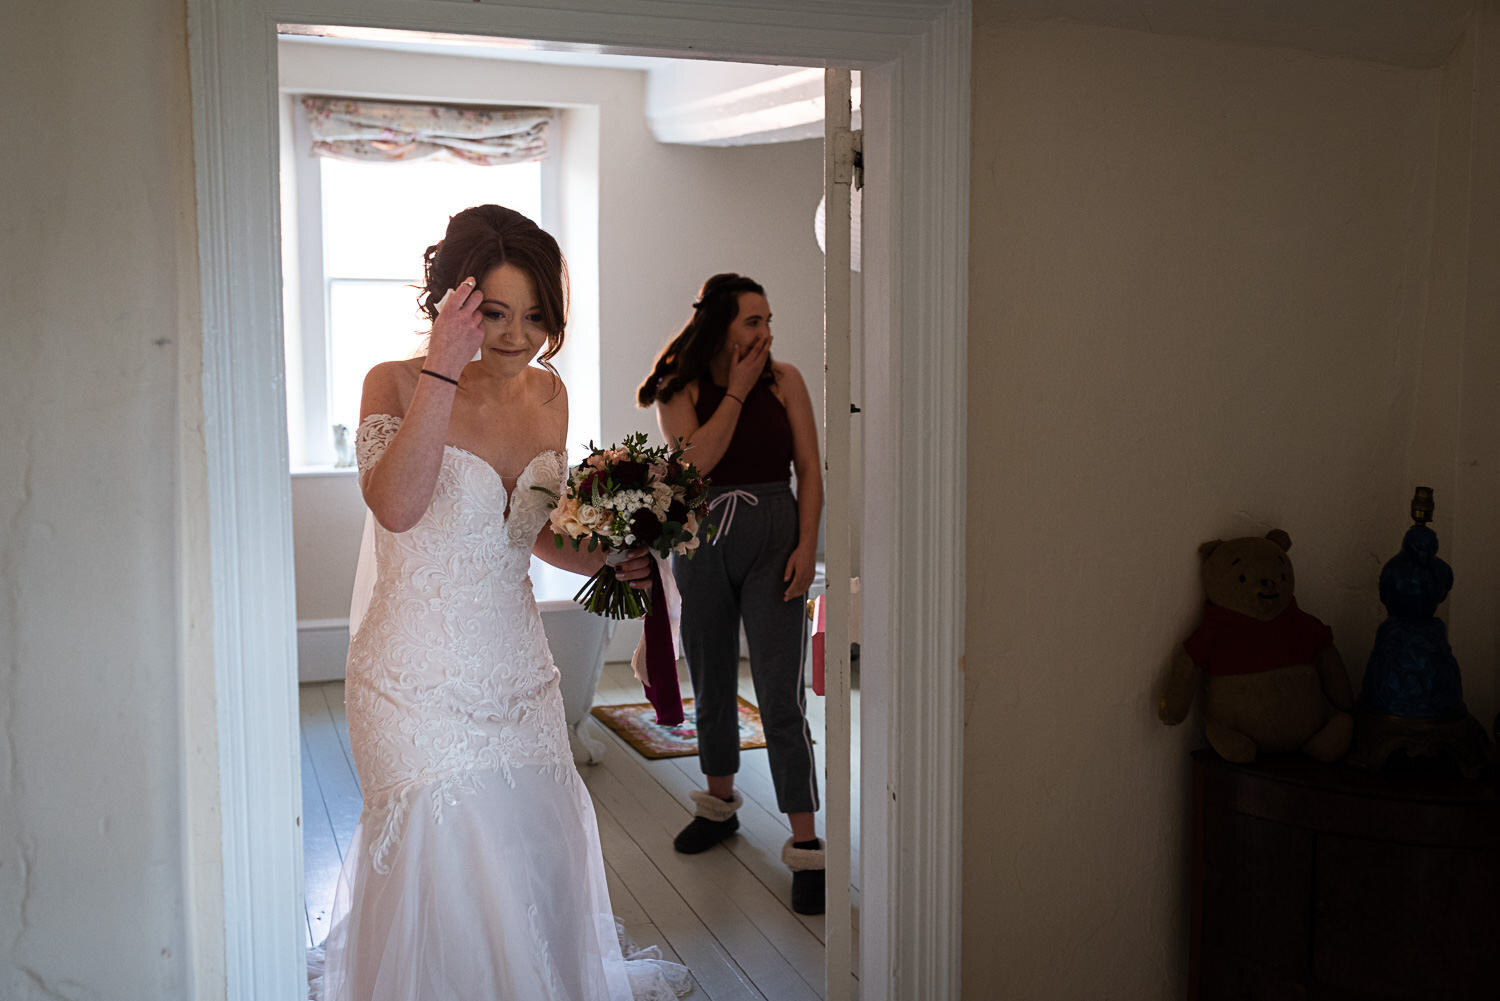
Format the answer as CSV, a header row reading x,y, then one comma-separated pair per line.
x,y
298,472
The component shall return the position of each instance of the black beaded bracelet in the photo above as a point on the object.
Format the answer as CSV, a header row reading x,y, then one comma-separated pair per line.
x,y
439,375
735,399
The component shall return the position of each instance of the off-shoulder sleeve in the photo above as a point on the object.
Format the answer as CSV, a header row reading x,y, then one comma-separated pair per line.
x,y
553,473
370,441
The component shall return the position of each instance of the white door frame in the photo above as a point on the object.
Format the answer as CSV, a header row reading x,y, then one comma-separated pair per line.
x,y
915,54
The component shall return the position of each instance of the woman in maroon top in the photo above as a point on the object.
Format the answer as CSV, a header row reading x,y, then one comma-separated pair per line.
x,y
749,423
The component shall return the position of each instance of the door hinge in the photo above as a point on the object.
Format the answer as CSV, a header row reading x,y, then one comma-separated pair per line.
x,y
849,157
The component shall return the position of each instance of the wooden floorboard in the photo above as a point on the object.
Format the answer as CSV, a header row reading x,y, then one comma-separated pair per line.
x,y
718,976
626,907
336,779
725,914
618,685
734,903
756,849
333,697
320,854
645,935
708,894
757,846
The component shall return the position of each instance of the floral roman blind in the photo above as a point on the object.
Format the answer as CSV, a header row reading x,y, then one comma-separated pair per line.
x,y
386,132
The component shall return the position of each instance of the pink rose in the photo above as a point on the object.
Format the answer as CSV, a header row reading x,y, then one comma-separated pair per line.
x,y
564,518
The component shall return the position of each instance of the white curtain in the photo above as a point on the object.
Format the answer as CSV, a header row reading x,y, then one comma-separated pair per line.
x,y
388,132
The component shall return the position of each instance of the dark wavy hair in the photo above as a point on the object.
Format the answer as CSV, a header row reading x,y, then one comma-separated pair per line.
x,y
686,357
485,237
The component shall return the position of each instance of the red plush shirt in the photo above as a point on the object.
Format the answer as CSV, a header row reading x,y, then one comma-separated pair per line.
x,y
1229,642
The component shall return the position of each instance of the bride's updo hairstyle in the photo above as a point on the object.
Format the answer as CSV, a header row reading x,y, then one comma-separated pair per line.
x,y
485,237
685,359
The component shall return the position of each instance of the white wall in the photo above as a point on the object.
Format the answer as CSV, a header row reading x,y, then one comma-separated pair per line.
x,y
669,216
733,104
1207,284
103,599
328,515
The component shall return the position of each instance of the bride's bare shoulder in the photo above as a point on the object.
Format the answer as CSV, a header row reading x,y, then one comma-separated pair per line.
x,y
548,389
388,387
550,397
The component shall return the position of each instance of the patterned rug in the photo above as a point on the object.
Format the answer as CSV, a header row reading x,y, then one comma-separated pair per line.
x,y
636,722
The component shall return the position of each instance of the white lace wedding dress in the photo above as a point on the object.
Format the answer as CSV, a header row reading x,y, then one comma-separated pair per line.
x,y
475,873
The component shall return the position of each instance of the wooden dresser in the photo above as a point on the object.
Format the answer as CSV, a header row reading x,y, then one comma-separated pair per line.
x,y
1316,882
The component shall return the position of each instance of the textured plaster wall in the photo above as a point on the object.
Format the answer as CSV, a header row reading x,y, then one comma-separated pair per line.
x,y
1463,319
1199,281
97,268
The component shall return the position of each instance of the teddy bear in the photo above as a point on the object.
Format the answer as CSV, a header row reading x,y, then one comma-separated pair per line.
x,y
1271,678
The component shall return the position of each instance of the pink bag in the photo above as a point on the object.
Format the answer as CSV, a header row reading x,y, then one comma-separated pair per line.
x,y
819,636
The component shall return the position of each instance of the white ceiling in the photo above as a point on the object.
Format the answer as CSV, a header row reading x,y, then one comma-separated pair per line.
x,y
687,101
476,47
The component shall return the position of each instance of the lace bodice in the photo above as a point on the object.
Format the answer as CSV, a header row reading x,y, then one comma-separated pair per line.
x,y
449,677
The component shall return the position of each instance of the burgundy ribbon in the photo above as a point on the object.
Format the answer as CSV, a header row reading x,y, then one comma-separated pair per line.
x,y
661,659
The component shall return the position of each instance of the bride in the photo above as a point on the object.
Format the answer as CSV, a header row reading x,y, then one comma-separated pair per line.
x,y
475,872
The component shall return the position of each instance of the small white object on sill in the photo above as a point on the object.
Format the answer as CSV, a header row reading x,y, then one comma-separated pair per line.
x,y
343,447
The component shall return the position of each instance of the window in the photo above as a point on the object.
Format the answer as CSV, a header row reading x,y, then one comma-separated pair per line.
x,y
353,237
377,220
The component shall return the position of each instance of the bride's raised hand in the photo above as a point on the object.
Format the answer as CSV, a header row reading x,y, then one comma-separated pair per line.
x,y
746,366
457,333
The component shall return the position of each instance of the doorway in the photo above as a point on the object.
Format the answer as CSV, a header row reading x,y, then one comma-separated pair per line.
x,y
916,70
682,192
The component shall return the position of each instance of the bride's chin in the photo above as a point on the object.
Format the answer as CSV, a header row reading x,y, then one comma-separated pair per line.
x,y
505,364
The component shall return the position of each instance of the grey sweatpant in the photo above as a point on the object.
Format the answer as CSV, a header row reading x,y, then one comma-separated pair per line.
x,y
740,575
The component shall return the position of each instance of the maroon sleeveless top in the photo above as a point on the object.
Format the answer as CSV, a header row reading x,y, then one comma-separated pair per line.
x,y
760,450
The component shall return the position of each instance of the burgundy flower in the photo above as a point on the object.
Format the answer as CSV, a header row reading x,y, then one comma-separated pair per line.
x,y
630,474
646,527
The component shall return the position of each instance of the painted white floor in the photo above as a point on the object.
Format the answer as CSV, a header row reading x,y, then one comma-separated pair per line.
x,y
724,913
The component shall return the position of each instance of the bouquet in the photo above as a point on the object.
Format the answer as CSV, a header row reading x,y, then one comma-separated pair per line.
x,y
624,497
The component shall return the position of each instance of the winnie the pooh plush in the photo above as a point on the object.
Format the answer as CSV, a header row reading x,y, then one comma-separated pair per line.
x,y
1271,679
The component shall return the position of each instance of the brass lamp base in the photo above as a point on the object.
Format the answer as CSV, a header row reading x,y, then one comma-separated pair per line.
x,y
1460,742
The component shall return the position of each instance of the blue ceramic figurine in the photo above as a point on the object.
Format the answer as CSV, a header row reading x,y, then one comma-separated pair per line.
x,y
1411,701
1412,672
